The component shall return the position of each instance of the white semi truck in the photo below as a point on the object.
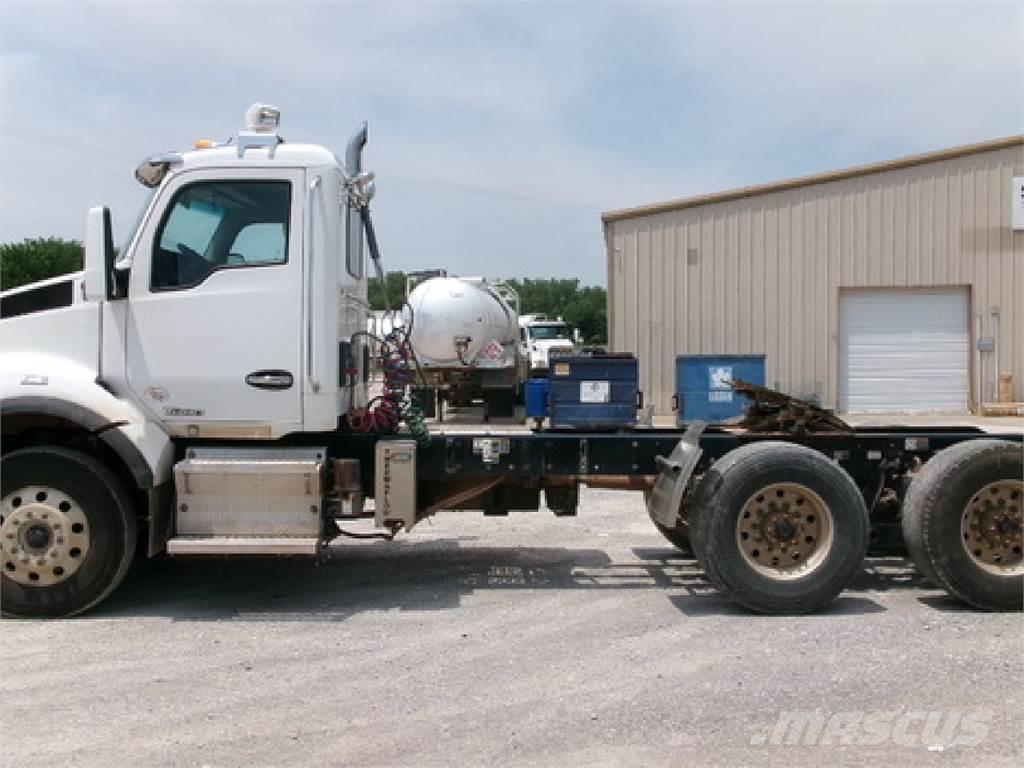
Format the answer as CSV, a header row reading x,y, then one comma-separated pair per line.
x,y
205,393
542,338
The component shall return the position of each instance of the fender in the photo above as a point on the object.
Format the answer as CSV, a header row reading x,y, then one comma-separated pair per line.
x,y
667,494
46,385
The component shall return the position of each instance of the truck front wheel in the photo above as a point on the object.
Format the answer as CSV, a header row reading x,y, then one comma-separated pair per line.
x,y
962,523
67,532
778,528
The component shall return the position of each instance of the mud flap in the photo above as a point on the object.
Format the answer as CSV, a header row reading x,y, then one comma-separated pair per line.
x,y
161,517
667,494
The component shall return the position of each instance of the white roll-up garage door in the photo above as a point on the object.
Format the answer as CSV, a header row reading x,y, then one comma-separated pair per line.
x,y
904,351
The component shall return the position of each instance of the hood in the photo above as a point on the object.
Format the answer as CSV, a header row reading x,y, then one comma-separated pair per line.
x,y
51,320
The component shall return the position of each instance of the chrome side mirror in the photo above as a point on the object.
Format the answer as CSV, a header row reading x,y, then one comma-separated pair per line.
x,y
151,171
362,187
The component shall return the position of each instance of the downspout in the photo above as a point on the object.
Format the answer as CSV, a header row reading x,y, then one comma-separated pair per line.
x,y
978,377
995,353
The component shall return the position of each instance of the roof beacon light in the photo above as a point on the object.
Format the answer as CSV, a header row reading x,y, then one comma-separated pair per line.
x,y
261,123
262,118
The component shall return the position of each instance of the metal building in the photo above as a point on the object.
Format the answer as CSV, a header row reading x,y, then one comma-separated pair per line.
x,y
891,287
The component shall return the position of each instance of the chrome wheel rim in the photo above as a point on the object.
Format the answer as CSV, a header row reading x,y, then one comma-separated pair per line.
x,y
784,531
991,529
44,536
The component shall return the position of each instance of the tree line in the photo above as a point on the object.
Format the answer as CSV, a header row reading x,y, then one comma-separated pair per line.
x,y
584,307
37,259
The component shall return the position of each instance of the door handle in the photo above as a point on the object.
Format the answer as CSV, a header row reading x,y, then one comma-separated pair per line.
x,y
269,379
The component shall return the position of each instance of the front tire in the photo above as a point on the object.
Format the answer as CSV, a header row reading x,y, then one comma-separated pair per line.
x,y
67,532
778,528
962,523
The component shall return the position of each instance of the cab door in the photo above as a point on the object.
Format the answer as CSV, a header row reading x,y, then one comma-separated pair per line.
x,y
214,342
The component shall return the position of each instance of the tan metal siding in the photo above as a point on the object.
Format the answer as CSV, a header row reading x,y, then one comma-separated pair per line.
x,y
770,267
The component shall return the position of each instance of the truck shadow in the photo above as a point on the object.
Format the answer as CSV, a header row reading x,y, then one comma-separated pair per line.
x,y
351,579
878,574
432,576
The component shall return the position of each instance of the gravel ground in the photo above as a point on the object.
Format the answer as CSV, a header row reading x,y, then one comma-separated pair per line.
x,y
526,640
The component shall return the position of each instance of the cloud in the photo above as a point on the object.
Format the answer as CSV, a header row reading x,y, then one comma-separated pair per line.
x,y
499,131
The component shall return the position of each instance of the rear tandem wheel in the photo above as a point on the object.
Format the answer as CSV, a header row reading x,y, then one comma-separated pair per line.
x,y
962,523
778,528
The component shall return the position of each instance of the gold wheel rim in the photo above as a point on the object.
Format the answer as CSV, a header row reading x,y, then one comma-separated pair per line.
x,y
784,531
44,536
991,530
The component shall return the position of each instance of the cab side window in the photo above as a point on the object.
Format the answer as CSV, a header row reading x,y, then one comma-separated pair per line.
x,y
219,225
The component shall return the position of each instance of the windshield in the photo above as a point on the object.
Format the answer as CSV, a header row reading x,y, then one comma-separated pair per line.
x,y
546,332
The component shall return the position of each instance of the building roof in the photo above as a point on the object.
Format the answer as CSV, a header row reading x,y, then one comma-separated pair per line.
x,y
818,178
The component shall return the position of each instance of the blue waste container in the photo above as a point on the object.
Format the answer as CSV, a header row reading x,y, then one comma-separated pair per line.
x,y
598,392
536,398
702,385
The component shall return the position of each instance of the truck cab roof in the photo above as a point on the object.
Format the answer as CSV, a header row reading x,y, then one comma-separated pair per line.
x,y
257,146
283,154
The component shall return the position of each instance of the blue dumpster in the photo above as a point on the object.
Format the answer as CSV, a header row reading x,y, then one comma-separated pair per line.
x,y
702,385
593,392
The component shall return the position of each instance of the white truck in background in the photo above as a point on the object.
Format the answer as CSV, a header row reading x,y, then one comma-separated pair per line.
x,y
542,338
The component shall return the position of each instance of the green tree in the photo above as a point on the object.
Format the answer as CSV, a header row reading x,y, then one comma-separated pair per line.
x,y
395,282
38,259
588,311
583,307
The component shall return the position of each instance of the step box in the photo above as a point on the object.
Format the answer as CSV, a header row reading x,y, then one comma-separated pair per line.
x,y
250,492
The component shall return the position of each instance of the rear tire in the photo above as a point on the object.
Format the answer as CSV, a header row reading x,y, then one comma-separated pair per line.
x,y
68,533
778,528
962,523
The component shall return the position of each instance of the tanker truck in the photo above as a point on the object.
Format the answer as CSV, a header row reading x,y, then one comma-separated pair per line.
x,y
465,332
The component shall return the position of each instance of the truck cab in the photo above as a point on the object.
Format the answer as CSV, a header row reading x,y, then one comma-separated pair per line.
x,y
232,311
542,338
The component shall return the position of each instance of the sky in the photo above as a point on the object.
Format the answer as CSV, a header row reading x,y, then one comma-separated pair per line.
x,y
499,131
